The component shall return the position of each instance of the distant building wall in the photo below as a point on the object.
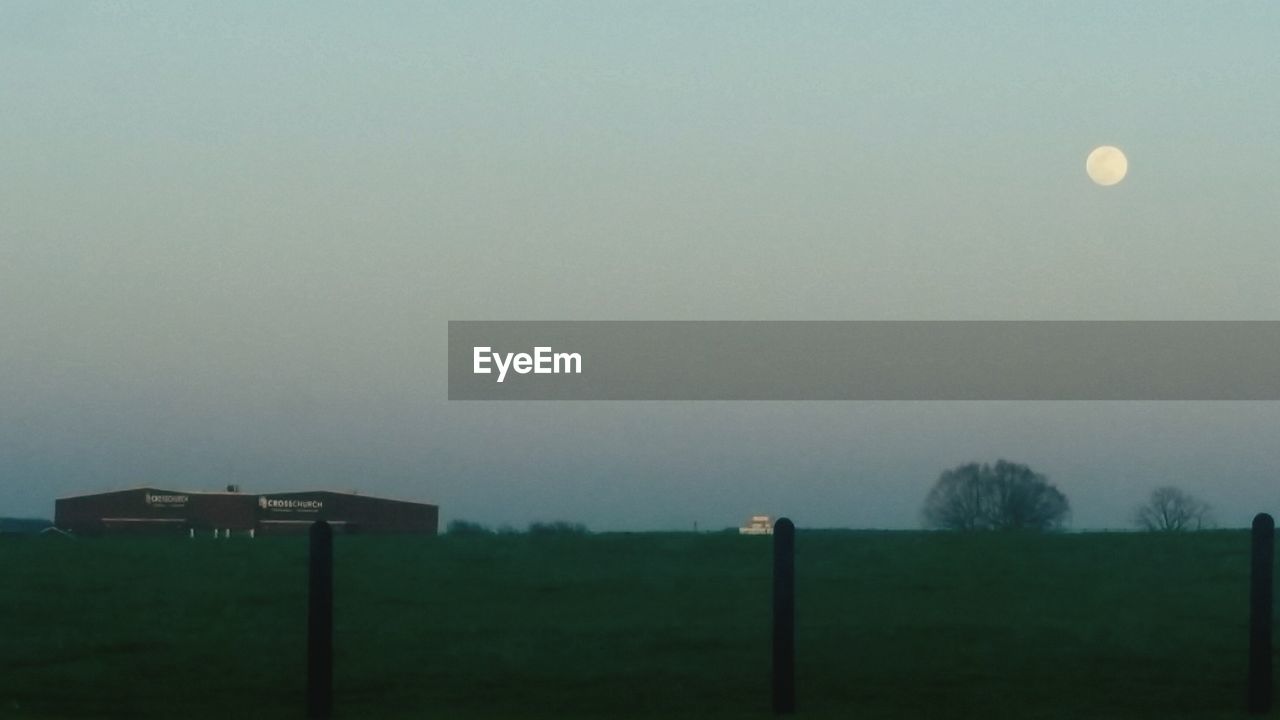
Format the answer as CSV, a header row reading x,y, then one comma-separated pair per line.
x,y
278,512
153,510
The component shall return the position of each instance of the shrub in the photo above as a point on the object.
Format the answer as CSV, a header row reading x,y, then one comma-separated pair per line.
x,y
467,528
558,527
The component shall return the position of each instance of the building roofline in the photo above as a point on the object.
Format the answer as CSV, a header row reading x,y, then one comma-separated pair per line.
x,y
351,493
112,492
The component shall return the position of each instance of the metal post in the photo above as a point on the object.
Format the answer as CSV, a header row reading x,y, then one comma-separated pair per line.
x,y
1260,614
784,617
320,624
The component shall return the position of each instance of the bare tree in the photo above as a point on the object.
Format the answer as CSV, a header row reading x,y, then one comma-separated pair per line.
x,y
1169,509
1004,496
957,501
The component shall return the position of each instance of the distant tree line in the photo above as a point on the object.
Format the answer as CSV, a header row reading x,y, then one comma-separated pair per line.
x,y
463,528
971,497
1011,496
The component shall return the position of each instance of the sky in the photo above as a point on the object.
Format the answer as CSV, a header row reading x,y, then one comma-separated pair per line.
x,y
233,234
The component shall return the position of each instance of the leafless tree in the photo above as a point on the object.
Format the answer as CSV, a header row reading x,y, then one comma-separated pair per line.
x,y
1004,496
1169,509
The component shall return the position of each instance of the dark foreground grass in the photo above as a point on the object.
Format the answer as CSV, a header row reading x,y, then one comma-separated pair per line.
x,y
891,625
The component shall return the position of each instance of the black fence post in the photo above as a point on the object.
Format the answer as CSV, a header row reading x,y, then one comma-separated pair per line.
x,y
1260,614
784,617
320,624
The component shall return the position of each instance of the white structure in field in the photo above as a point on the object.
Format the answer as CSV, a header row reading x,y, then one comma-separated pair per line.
x,y
759,525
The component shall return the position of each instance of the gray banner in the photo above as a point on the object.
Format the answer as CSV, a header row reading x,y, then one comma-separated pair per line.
x,y
925,360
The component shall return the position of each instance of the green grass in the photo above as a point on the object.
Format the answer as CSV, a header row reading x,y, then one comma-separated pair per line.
x,y
891,625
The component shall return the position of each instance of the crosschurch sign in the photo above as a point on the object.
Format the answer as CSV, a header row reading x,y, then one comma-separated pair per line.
x,y
290,504
165,500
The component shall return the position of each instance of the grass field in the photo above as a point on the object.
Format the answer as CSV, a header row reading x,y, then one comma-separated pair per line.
x,y
891,625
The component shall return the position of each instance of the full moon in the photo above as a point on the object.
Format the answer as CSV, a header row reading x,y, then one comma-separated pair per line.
x,y
1106,165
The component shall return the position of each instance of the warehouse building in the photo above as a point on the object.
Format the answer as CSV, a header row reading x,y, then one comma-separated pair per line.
x,y
150,510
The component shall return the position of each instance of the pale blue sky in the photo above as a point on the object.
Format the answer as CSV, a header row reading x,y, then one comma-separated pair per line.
x,y
233,233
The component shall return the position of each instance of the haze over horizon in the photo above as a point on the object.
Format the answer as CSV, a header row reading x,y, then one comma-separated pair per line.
x,y
234,233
